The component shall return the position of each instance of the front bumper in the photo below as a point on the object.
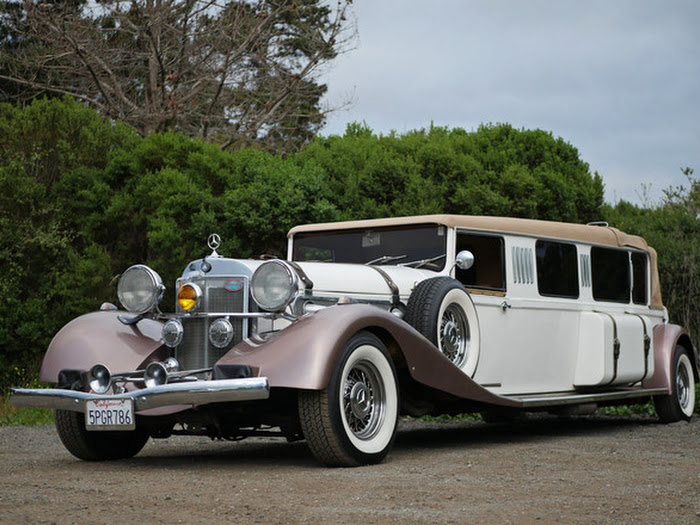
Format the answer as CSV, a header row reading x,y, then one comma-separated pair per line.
x,y
193,393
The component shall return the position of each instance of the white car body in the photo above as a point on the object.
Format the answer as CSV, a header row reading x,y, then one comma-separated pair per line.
x,y
366,321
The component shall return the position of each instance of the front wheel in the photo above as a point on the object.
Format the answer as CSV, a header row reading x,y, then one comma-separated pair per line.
x,y
353,421
97,445
681,402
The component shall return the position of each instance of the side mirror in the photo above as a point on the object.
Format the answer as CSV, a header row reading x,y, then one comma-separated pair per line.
x,y
464,260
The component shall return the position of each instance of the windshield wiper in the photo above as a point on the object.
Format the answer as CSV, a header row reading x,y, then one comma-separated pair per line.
x,y
423,262
385,259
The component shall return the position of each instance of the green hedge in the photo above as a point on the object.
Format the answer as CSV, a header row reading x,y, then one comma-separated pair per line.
x,y
82,198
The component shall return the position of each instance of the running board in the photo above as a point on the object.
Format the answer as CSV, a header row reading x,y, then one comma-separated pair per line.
x,y
572,398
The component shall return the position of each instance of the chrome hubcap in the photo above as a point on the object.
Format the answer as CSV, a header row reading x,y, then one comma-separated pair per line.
x,y
363,400
454,335
360,401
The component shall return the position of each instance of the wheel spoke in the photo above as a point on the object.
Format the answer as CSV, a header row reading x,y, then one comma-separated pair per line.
x,y
353,420
362,400
454,339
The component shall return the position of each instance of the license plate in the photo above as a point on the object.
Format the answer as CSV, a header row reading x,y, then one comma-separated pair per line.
x,y
110,414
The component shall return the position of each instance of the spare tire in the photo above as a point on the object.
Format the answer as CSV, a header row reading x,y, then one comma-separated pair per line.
x,y
443,311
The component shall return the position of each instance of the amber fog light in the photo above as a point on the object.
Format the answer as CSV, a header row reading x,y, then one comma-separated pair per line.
x,y
188,296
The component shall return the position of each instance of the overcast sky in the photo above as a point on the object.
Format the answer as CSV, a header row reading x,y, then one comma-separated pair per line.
x,y
617,79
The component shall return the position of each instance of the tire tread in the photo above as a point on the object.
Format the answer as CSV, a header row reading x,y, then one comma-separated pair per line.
x,y
96,446
318,430
666,406
422,304
321,421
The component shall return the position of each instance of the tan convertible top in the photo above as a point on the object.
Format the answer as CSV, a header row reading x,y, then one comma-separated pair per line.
x,y
604,235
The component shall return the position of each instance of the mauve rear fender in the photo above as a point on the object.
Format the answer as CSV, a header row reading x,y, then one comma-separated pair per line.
x,y
304,354
666,338
100,337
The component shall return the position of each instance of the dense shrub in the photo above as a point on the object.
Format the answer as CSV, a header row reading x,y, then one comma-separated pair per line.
x,y
82,198
673,228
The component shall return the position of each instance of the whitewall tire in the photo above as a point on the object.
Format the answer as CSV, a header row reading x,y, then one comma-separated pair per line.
x,y
680,404
353,421
443,311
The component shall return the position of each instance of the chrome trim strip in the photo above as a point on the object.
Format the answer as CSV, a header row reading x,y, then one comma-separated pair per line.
x,y
219,314
539,400
244,315
188,393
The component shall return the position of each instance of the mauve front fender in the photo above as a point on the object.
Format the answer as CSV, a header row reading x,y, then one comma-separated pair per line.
x,y
305,354
100,337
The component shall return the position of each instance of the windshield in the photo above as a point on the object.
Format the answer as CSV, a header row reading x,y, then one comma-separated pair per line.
x,y
421,246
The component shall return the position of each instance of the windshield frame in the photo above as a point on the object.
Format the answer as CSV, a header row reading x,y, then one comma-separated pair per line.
x,y
399,245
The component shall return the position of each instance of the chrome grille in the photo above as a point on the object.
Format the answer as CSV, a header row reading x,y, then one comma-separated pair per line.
x,y
195,350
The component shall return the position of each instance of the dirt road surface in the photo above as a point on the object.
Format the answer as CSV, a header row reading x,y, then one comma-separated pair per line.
x,y
596,469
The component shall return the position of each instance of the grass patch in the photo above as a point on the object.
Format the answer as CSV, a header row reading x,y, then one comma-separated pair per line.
x,y
646,409
11,416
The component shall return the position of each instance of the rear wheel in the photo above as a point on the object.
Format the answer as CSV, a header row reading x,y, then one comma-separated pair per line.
x,y
681,402
353,421
97,445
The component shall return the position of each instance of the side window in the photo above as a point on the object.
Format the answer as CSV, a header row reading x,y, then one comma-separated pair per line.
x,y
488,271
557,269
640,294
611,275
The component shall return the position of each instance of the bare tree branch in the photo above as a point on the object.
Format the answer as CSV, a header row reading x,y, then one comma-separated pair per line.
x,y
238,71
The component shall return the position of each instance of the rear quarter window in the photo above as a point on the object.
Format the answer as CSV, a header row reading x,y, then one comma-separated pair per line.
x,y
640,272
557,269
610,271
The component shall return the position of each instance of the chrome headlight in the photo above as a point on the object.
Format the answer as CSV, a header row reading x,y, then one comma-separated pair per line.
x,y
274,286
140,289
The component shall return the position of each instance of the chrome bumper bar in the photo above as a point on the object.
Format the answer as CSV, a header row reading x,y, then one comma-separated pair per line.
x,y
190,393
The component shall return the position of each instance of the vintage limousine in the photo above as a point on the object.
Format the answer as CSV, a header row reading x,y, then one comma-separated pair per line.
x,y
366,321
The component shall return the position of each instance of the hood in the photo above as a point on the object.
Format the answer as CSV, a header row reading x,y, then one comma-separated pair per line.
x,y
362,281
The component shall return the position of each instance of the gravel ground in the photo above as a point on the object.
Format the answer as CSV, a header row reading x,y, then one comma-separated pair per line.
x,y
595,469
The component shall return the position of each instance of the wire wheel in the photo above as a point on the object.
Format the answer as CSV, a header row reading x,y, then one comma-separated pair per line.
x,y
685,390
454,335
353,421
442,310
680,403
363,400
